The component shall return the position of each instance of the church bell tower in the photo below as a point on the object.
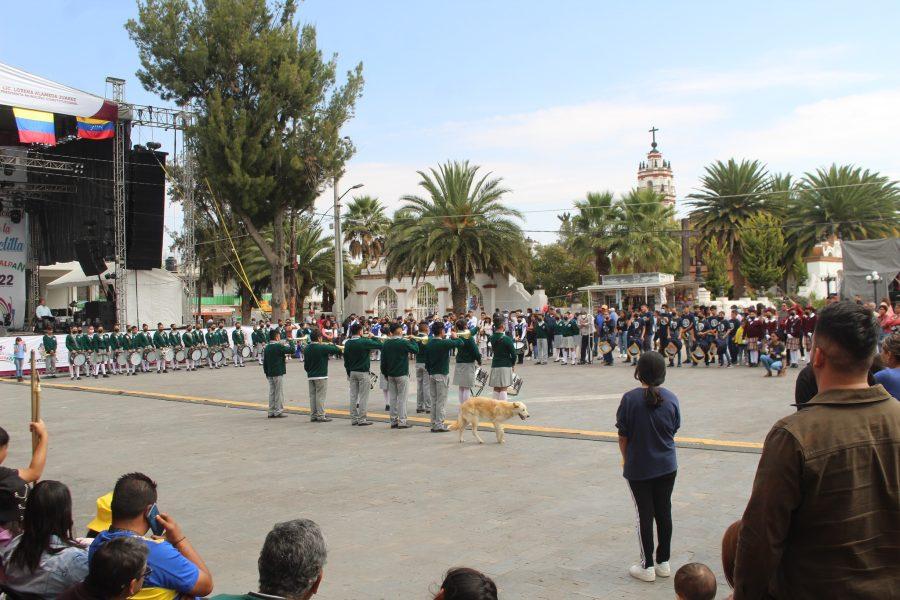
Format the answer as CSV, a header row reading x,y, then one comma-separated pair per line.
x,y
656,173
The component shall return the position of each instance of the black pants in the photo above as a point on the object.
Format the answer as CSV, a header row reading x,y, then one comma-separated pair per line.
x,y
653,499
585,355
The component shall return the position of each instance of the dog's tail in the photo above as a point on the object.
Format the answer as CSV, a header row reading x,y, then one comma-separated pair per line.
x,y
459,423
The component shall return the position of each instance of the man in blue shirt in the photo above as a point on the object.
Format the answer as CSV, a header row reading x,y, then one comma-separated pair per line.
x,y
598,327
175,567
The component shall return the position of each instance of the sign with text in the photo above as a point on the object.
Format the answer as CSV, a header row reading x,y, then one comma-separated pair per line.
x,y
13,260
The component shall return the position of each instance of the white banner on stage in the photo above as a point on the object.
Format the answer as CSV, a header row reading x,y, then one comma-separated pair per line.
x,y
13,261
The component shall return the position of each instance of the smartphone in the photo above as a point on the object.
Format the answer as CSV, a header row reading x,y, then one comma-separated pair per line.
x,y
155,526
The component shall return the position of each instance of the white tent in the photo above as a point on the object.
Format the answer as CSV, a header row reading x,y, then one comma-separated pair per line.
x,y
154,296
25,90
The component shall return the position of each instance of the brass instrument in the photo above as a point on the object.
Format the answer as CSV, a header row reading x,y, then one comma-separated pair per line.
x,y
421,339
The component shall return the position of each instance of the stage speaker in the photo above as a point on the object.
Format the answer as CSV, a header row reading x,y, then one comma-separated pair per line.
x,y
144,209
90,256
100,313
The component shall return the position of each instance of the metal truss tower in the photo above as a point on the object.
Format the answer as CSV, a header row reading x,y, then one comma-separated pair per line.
x,y
121,281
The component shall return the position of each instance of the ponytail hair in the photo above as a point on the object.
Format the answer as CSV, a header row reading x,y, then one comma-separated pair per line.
x,y
651,371
463,583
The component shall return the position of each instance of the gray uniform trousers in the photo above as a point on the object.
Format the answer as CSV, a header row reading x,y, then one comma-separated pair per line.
x,y
397,398
50,363
437,389
276,395
359,396
317,390
423,400
540,350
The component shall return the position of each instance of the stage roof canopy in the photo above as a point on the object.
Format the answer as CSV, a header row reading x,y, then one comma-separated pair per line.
x,y
24,90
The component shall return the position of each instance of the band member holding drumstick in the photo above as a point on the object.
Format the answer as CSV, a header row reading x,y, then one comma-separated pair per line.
x,y
502,362
187,340
160,342
72,347
395,372
49,343
237,336
468,359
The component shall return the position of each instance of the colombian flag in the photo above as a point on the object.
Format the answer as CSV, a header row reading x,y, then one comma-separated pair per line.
x,y
95,129
35,126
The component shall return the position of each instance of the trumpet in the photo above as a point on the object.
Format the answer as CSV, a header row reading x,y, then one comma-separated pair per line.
x,y
464,334
341,348
421,339
304,338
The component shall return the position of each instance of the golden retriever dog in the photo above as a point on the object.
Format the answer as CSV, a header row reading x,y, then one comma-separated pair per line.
x,y
487,409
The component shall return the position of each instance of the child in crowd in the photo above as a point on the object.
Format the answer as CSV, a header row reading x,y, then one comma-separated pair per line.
x,y
19,356
694,581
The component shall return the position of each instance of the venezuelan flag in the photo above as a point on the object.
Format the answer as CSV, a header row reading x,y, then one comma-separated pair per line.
x,y
35,126
95,129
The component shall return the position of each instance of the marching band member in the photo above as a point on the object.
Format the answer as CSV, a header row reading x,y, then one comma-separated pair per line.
x,y
187,340
662,337
115,345
198,341
126,343
809,325
648,324
467,357
85,344
315,364
211,339
795,337
541,335
72,346
559,328
145,341
357,363
49,343
160,341
237,336
423,398
175,344
502,362
724,332
608,335
395,371
635,337
274,370
437,362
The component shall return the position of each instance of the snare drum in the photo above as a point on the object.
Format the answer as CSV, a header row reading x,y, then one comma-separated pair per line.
x,y
671,349
698,353
180,355
151,355
204,352
245,351
168,354
196,353
79,358
135,357
217,356
121,359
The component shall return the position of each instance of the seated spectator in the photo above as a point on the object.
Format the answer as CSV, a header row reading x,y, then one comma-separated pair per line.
x,y
175,567
822,519
14,483
45,560
103,519
889,377
290,563
463,583
694,581
117,571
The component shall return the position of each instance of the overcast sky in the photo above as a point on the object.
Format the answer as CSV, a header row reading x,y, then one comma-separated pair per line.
x,y
557,97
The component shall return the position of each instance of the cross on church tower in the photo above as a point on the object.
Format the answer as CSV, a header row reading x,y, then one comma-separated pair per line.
x,y
656,173
653,131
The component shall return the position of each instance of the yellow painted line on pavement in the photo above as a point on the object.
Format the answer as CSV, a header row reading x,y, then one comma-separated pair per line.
x,y
509,427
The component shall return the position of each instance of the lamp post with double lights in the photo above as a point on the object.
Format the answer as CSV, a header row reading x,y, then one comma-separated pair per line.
x,y
874,278
339,254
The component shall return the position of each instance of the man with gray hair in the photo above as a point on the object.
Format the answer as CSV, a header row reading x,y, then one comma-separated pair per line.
x,y
290,563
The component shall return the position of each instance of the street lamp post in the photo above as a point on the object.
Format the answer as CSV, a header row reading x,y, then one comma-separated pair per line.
x,y
874,278
339,254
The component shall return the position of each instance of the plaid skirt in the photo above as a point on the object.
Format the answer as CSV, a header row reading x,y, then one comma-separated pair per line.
x,y
752,343
793,343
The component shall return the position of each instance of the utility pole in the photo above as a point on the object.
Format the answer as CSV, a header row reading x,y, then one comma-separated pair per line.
x,y
339,253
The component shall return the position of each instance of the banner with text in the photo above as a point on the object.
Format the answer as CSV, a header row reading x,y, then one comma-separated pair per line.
x,y
13,260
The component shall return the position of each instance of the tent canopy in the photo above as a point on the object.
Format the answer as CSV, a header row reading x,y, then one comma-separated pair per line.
x,y
24,90
77,278
863,257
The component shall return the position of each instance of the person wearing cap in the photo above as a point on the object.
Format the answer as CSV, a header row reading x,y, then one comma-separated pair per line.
x,y
14,482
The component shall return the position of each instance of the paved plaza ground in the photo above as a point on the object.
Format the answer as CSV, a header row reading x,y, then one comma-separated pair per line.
x,y
548,517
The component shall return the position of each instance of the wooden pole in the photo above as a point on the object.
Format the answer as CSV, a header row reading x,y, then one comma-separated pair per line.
x,y
35,399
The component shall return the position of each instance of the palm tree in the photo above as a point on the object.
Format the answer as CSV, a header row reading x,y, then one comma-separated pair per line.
x,y
647,238
593,229
731,193
365,226
845,202
460,228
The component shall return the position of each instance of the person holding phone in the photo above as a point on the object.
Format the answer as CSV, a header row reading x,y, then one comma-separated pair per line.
x,y
175,568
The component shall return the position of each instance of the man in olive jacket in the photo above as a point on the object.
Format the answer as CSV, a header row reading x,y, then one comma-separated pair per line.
x,y
273,367
315,364
823,520
395,366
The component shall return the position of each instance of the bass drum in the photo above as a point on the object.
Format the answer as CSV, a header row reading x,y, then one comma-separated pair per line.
x,y
196,354
217,357
134,358
79,358
151,356
180,355
228,351
168,354
121,359
204,352
245,351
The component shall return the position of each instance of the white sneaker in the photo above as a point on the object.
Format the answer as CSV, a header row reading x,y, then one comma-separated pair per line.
x,y
663,569
639,572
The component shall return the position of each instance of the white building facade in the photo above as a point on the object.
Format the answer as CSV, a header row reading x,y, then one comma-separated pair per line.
x,y
373,295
